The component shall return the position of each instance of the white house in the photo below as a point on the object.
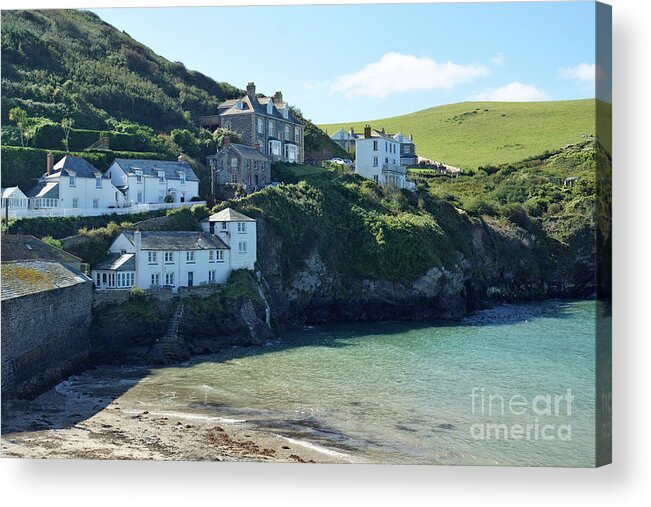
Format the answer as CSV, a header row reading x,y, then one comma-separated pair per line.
x,y
151,181
378,158
14,198
149,259
73,183
345,139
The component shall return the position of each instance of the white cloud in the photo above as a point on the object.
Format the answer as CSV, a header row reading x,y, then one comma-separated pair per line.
x,y
395,72
498,59
512,92
583,72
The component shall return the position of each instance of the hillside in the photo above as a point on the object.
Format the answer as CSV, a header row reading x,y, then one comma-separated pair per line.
x,y
55,61
473,134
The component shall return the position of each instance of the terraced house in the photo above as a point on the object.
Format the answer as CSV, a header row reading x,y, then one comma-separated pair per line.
x,y
265,123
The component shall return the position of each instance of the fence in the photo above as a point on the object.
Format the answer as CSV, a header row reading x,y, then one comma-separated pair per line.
x,y
92,212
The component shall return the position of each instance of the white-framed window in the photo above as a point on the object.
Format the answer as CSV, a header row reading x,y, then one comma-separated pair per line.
x,y
270,128
95,203
234,178
241,247
152,258
234,162
260,126
212,276
139,197
189,256
224,226
169,278
297,135
291,152
275,147
211,256
98,182
161,176
227,125
72,179
287,132
241,227
374,145
182,177
125,280
169,257
220,255
138,176
375,161
376,178
75,202
155,279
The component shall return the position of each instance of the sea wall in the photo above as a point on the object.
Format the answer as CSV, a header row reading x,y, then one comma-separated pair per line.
x,y
45,337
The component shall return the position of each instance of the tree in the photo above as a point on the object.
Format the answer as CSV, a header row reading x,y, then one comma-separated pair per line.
x,y
66,125
19,116
219,134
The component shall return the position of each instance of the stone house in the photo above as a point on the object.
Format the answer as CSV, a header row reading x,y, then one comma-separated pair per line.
x,y
263,121
408,155
151,259
238,164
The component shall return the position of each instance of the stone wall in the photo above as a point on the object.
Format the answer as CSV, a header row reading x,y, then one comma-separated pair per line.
x,y
45,337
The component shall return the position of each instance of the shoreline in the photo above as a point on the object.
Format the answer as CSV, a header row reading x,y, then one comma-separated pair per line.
x,y
54,425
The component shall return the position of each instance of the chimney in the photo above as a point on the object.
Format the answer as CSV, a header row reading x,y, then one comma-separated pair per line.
x,y
411,137
250,90
227,141
278,98
351,131
257,146
181,158
50,163
367,131
137,241
383,130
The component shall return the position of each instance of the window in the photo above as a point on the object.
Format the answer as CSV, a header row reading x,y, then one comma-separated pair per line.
x,y
75,202
169,257
374,145
139,197
241,247
260,126
224,226
220,255
211,256
169,278
155,279
386,160
275,147
125,280
241,227
291,152
161,176
95,203
152,258
376,178
212,276
98,182
189,257
407,149
234,162
116,197
72,179
297,135
138,176
271,128
234,178
287,132
182,176
375,161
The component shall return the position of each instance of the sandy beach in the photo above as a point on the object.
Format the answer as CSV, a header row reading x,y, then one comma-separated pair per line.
x,y
86,426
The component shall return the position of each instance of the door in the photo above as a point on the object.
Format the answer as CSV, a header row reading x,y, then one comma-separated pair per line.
x,y
190,278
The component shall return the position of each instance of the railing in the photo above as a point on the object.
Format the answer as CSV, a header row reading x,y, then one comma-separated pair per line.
x,y
395,169
91,212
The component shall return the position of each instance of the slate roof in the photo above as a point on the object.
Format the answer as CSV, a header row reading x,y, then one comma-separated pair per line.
x,y
7,193
228,215
118,262
77,166
249,151
22,278
172,168
402,138
177,240
258,105
45,189
21,247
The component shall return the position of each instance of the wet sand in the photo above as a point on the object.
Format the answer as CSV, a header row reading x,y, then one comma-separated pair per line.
x,y
92,427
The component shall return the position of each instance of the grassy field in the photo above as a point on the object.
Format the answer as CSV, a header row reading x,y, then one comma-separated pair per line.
x,y
472,134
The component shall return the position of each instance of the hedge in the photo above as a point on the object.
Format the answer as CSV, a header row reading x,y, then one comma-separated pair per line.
x,y
23,167
51,136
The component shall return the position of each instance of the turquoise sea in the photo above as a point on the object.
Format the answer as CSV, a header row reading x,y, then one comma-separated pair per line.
x,y
512,385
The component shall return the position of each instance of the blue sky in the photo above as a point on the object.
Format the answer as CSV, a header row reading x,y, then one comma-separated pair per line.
x,y
358,62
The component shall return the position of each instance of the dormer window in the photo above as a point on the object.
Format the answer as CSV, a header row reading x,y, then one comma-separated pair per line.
x,y
285,112
73,179
98,182
270,107
138,176
161,176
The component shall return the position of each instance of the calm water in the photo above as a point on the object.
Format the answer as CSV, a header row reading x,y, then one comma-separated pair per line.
x,y
402,392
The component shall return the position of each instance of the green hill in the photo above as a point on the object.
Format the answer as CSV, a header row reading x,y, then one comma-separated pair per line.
x,y
472,134
58,61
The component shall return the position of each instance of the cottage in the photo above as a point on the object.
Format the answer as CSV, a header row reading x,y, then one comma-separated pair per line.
x,y
378,158
263,121
150,259
238,164
345,139
73,183
14,198
154,181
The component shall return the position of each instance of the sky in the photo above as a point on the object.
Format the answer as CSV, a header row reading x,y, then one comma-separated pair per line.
x,y
344,63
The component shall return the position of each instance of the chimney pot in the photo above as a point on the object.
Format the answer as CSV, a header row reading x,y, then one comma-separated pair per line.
x,y
227,141
250,89
367,131
181,158
278,98
50,163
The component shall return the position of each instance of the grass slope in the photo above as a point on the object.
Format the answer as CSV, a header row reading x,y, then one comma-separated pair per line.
x,y
473,134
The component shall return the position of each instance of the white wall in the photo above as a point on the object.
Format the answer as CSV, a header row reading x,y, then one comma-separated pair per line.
x,y
181,267
85,191
387,149
233,236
